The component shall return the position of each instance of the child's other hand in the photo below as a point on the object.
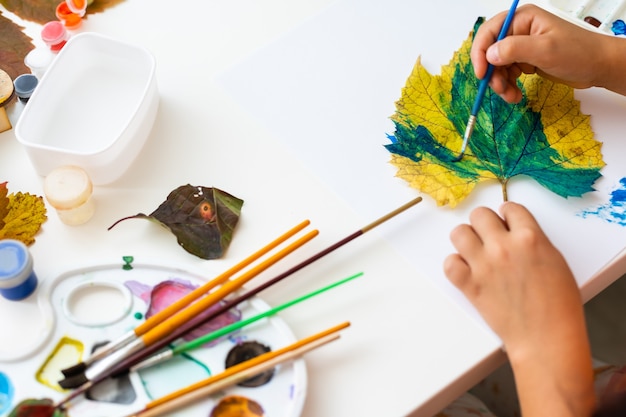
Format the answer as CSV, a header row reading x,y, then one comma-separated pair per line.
x,y
522,286
513,275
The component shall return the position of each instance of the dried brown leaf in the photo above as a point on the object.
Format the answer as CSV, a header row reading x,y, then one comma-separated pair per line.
x,y
14,46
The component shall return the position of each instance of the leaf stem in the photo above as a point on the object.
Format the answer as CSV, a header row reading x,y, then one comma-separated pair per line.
x,y
505,195
120,220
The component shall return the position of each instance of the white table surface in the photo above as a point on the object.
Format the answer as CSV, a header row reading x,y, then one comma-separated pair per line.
x,y
410,348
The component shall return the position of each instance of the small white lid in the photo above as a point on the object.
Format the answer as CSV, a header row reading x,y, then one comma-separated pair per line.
x,y
38,59
67,187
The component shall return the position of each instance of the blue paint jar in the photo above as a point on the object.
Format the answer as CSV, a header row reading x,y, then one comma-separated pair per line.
x,y
24,85
17,278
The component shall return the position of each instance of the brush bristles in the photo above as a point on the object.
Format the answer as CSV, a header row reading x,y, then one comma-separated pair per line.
x,y
73,381
79,368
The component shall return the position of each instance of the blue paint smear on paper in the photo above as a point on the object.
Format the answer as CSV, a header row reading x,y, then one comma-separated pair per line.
x,y
615,210
6,392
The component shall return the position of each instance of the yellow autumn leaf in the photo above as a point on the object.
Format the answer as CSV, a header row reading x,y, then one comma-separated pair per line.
x,y
4,203
25,215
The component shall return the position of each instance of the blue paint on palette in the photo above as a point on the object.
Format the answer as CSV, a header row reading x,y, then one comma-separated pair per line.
x,y
619,27
6,392
615,210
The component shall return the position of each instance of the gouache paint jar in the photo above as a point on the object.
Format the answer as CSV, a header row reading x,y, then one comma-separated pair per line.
x,y
78,6
38,60
69,190
24,86
54,35
70,19
17,278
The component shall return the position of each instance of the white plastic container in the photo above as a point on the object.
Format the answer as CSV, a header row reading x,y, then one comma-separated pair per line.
x,y
94,108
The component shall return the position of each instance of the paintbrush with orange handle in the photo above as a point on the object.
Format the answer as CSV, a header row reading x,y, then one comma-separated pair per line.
x,y
138,356
168,326
197,321
237,373
180,304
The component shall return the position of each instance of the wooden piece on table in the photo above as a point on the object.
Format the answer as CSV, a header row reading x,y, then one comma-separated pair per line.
x,y
6,94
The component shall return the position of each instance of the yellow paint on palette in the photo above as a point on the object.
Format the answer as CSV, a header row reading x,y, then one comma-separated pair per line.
x,y
67,352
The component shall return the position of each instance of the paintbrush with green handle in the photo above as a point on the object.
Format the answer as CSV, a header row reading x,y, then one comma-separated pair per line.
x,y
179,305
186,347
135,358
104,367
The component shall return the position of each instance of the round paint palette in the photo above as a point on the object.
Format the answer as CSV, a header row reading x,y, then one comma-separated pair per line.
x,y
86,308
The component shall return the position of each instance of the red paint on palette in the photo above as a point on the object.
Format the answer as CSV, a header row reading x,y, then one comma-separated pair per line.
x,y
37,408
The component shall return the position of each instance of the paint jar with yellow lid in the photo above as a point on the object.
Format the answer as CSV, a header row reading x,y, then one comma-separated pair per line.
x,y
69,190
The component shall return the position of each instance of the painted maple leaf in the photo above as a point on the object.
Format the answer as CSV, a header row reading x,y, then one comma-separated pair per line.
x,y
545,136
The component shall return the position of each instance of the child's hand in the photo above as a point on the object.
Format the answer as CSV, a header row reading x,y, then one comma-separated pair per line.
x,y
540,42
511,272
522,286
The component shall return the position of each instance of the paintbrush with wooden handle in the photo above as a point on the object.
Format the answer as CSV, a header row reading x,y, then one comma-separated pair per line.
x,y
180,304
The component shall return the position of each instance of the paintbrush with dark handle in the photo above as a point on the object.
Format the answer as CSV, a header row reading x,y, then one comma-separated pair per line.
x,y
138,356
179,305
203,340
169,326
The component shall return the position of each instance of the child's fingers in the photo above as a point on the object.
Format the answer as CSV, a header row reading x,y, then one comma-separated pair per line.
x,y
486,223
504,83
457,270
466,241
517,216
485,37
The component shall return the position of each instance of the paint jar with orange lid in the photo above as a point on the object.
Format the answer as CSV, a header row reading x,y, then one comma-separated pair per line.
x,y
69,190
71,20
17,277
54,35
78,6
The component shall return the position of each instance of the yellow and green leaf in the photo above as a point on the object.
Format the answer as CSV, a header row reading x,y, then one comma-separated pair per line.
x,y
545,136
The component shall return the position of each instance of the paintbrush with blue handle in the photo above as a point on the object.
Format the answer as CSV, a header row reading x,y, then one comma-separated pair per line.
x,y
482,87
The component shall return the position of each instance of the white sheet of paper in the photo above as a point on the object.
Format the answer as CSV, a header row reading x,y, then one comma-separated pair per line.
x,y
328,88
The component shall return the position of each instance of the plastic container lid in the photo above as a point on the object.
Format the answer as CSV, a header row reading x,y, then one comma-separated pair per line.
x,y
25,85
38,60
17,279
53,33
67,187
77,6
70,19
